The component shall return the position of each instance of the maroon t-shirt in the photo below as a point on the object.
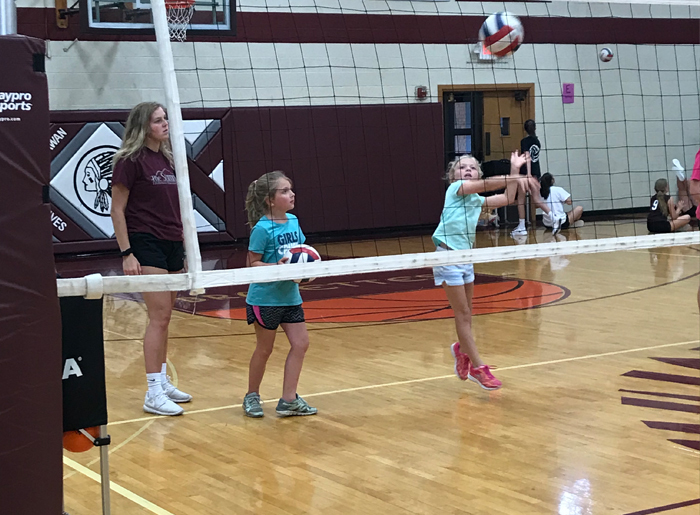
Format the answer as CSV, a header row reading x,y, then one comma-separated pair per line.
x,y
153,204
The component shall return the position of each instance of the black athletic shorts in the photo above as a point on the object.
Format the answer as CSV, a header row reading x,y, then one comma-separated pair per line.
x,y
658,226
692,212
565,224
152,251
270,317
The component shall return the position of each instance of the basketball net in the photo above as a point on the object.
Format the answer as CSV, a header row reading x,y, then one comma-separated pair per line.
x,y
482,53
179,13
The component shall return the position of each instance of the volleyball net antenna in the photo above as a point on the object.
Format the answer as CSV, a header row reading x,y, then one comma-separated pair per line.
x,y
377,103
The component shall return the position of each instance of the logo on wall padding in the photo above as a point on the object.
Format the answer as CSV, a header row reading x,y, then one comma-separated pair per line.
x,y
93,179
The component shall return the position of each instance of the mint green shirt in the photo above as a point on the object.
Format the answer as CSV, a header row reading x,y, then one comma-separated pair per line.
x,y
460,214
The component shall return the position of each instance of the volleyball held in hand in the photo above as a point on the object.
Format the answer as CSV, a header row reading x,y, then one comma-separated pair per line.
x,y
605,54
301,254
502,34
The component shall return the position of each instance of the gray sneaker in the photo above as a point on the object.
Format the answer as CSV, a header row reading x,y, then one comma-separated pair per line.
x,y
252,405
173,393
160,405
297,407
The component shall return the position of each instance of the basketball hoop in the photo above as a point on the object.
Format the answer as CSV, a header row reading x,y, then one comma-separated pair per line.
x,y
179,13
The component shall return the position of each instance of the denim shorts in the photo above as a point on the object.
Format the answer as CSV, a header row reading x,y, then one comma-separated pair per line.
x,y
453,275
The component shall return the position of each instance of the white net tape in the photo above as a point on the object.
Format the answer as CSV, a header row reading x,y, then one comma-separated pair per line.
x,y
179,17
95,285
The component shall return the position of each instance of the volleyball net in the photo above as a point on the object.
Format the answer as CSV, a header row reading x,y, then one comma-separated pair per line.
x,y
353,100
94,286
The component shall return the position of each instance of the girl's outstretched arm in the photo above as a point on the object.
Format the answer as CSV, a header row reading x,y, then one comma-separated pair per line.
x,y
497,183
512,182
533,186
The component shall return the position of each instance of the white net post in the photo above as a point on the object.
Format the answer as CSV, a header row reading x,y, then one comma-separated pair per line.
x,y
177,138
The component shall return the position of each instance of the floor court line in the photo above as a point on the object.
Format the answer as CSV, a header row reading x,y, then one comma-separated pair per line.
x,y
692,451
425,379
137,499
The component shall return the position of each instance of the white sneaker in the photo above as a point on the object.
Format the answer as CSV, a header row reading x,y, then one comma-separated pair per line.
x,y
161,405
556,226
173,393
578,223
680,172
519,231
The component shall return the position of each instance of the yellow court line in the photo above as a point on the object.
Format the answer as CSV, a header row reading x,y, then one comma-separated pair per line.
x,y
122,336
173,372
426,379
137,499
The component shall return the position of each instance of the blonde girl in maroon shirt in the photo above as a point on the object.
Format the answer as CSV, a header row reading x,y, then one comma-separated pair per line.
x,y
146,217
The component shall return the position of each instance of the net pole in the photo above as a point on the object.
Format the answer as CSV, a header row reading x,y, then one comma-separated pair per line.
x,y
177,138
8,18
104,473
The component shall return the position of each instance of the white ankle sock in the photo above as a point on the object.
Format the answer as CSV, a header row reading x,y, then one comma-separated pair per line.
x,y
521,223
164,373
153,381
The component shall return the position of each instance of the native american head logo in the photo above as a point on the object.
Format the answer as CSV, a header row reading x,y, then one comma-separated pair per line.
x,y
93,179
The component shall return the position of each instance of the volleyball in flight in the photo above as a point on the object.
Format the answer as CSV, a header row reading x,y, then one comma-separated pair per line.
x,y
502,34
302,254
606,54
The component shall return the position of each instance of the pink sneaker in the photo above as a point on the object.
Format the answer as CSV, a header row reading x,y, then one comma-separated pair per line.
x,y
462,362
484,378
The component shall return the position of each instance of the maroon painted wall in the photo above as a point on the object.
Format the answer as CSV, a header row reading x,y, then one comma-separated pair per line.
x,y
354,168
373,28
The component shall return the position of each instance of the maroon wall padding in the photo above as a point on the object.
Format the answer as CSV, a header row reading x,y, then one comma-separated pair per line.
x,y
353,167
30,332
60,134
264,27
64,229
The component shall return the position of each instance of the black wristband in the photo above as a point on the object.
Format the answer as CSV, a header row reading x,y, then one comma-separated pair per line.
x,y
126,252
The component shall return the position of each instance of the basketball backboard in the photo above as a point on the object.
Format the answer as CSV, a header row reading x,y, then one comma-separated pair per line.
x,y
211,17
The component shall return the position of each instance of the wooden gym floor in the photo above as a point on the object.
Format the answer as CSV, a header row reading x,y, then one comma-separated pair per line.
x,y
598,354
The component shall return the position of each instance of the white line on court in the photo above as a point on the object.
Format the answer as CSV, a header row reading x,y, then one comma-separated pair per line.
x,y
426,379
692,451
160,511
148,505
